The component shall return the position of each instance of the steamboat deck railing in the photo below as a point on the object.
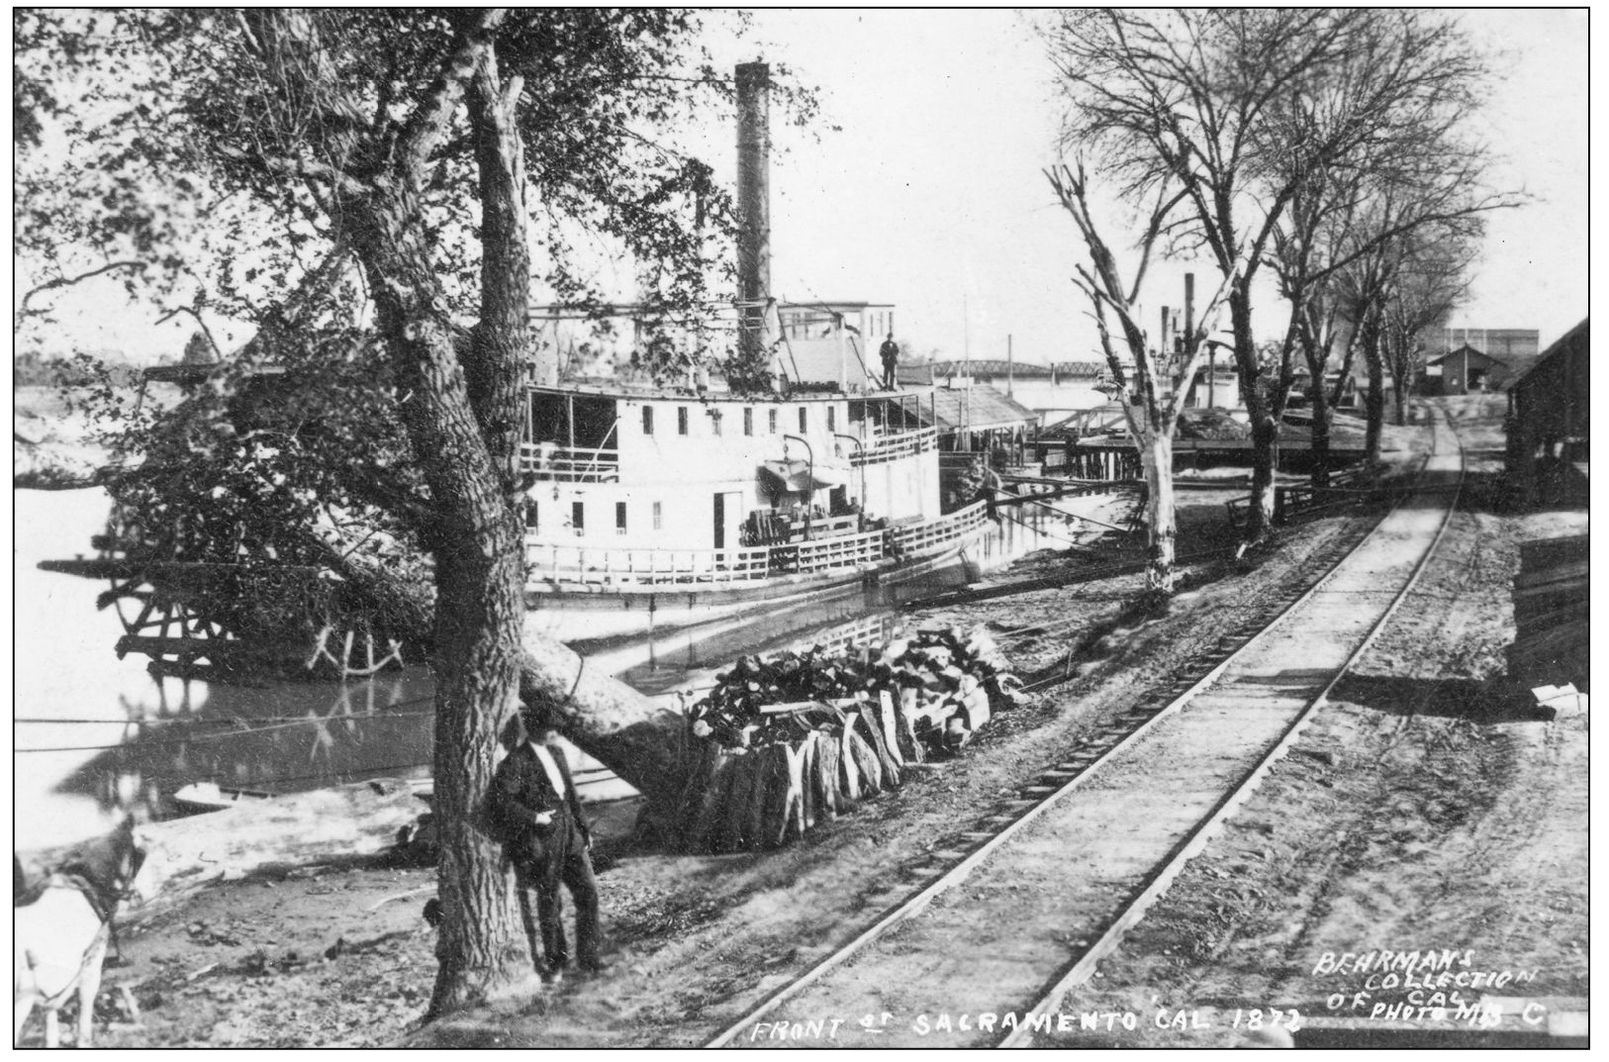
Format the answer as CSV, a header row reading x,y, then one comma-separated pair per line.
x,y
937,534
830,554
571,464
617,566
565,565
891,447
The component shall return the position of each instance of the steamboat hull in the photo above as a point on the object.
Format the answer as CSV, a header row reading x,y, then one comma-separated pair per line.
x,y
575,613
600,612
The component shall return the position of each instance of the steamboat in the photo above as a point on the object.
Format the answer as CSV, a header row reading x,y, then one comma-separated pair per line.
x,y
652,506
661,507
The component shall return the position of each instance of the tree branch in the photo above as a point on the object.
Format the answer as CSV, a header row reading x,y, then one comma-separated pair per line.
x,y
321,172
426,128
65,282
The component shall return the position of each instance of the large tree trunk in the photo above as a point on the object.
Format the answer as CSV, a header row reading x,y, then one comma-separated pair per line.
x,y
473,529
477,542
1400,373
1374,397
1264,428
1321,436
1316,353
602,716
1156,456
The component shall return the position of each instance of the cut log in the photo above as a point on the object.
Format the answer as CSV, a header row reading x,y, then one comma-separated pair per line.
x,y
737,837
871,772
890,730
849,771
974,703
706,756
872,726
826,775
777,810
807,772
910,744
728,818
796,809
790,707
754,817
706,827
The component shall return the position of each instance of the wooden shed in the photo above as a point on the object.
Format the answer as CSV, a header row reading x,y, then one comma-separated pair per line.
x,y
1548,415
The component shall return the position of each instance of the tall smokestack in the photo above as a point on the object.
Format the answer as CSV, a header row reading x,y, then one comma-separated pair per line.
x,y
1189,307
753,206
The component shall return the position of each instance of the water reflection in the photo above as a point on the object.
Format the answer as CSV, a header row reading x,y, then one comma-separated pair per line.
x,y
95,735
287,737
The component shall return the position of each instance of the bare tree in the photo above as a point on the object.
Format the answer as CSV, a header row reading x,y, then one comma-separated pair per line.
x,y
1152,384
1240,108
1409,182
1430,279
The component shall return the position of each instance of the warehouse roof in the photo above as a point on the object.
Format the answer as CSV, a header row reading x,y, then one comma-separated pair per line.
x,y
978,408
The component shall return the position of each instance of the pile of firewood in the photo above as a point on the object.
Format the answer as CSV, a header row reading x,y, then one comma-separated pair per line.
x,y
797,738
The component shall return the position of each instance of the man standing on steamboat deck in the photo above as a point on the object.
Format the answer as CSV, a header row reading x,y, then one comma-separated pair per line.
x,y
534,806
890,352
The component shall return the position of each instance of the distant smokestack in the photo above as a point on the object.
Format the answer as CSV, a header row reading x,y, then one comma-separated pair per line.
x,y
753,205
1189,307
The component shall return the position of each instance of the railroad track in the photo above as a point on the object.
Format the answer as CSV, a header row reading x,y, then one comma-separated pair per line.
x,y
1168,773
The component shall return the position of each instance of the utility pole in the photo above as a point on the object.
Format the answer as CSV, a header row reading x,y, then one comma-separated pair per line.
x,y
966,337
1008,364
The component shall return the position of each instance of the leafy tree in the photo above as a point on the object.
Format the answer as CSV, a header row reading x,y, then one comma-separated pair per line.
x,y
358,183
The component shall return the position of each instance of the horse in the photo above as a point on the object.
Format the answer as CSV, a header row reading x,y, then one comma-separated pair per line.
x,y
63,924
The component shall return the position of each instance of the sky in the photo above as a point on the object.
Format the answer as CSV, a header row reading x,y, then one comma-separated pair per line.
x,y
930,195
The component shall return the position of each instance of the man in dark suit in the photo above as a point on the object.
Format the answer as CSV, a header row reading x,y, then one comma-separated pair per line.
x,y
534,806
890,352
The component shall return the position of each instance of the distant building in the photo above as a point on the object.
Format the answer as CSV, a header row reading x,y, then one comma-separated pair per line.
x,y
1467,371
1461,361
1508,345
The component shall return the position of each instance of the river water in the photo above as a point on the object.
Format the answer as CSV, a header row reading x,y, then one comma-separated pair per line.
x,y
94,735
